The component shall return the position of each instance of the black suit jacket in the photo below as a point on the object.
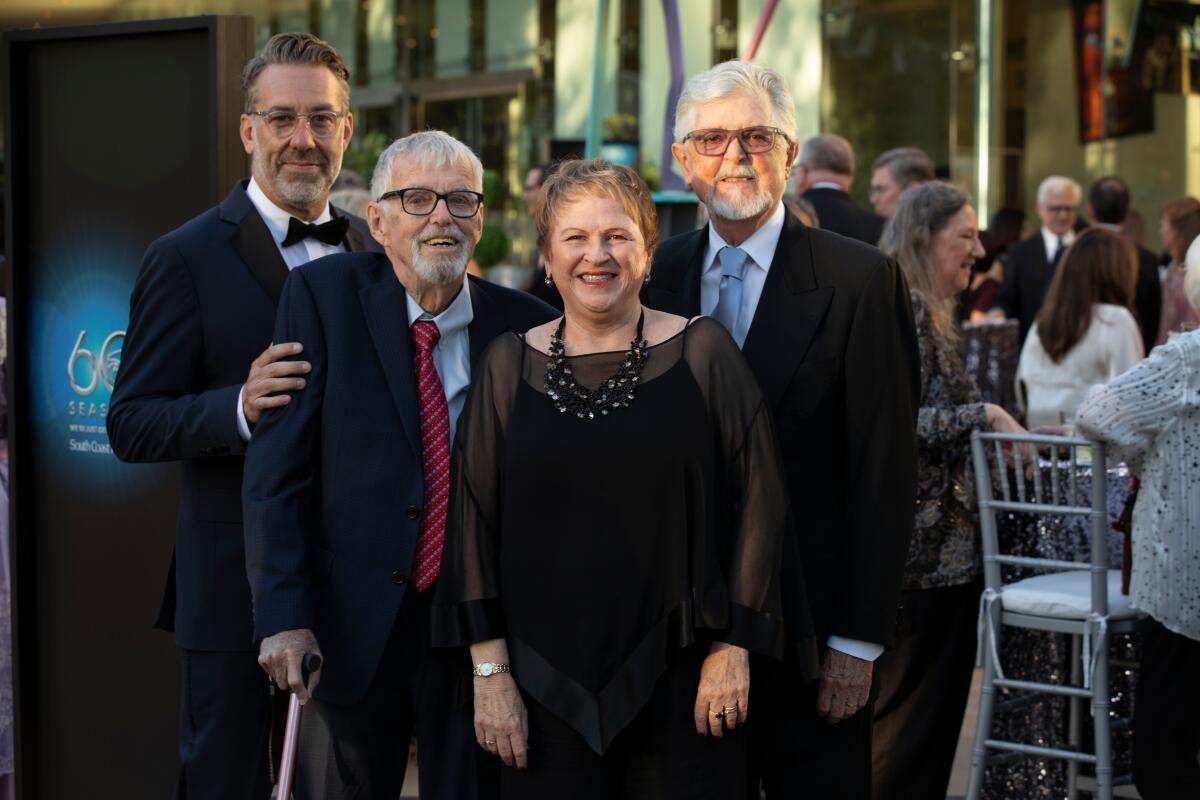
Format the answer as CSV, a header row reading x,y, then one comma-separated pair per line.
x,y
1147,298
838,213
1027,277
834,347
334,484
202,308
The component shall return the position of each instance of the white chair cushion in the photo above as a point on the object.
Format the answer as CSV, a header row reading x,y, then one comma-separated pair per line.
x,y
1064,595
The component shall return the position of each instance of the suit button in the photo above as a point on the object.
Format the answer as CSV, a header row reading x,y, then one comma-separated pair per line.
x,y
413,512
398,578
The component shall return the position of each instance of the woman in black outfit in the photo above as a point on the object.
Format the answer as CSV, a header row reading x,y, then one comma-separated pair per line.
x,y
617,526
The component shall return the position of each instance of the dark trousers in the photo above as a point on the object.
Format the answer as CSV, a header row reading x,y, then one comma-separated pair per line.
x,y
793,752
415,691
1166,718
659,756
224,727
924,681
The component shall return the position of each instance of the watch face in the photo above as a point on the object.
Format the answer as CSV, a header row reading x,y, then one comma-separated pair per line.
x,y
486,669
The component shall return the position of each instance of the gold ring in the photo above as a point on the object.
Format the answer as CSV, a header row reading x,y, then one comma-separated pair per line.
x,y
730,709
489,741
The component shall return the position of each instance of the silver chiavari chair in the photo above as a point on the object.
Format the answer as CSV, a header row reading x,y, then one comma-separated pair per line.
x,y
1079,598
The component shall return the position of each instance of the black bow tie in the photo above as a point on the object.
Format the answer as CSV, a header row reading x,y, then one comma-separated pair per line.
x,y
331,232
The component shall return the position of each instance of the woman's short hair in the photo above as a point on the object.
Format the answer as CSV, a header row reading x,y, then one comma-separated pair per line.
x,y
429,149
1180,207
577,177
302,49
1100,267
923,212
731,78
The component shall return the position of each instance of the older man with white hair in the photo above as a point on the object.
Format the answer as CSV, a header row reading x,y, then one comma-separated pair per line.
x,y
826,324
346,484
1031,263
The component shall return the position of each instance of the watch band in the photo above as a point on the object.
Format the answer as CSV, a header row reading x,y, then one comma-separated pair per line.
x,y
489,668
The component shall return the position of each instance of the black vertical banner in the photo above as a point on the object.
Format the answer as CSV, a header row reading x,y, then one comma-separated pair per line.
x,y
115,135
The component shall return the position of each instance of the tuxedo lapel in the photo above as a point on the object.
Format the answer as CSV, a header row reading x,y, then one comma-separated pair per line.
x,y
385,308
675,283
789,313
486,321
357,238
253,242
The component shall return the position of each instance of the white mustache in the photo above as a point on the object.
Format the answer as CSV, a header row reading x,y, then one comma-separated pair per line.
x,y
449,232
736,172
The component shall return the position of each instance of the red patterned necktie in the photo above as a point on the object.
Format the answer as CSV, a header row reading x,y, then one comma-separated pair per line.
x,y
435,449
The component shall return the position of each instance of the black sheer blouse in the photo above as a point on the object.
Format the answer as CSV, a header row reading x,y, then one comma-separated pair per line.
x,y
600,548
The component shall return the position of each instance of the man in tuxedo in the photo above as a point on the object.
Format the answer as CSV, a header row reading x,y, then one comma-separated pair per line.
x,y
346,485
1108,207
826,324
894,171
198,369
823,177
1031,263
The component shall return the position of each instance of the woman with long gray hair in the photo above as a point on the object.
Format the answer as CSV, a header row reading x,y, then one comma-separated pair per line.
x,y
925,678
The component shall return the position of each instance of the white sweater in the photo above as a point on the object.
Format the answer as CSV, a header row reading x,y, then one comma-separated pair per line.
x,y
1150,416
1053,391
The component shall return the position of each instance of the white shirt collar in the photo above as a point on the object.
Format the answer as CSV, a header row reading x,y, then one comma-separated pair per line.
x,y
456,317
827,185
760,246
1108,226
1051,238
275,217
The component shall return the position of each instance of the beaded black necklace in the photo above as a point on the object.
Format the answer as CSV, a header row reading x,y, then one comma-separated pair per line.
x,y
615,392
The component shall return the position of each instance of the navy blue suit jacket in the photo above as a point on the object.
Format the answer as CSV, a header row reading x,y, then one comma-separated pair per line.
x,y
334,485
202,308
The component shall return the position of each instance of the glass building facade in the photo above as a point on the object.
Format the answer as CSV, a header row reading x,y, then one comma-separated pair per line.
x,y
1000,94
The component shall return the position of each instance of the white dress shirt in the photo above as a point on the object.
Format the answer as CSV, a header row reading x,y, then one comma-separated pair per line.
x,y
1050,240
760,247
452,354
294,255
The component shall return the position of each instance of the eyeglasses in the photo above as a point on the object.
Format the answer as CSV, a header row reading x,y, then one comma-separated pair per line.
x,y
1060,209
282,124
421,202
715,141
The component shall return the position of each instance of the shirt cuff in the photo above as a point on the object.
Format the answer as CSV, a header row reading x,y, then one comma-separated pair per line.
x,y
242,426
867,651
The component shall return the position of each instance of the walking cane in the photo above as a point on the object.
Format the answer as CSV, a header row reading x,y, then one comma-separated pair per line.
x,y
291,734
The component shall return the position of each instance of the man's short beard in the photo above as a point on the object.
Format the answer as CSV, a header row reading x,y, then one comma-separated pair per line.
x,y
298,191
739,209
439,270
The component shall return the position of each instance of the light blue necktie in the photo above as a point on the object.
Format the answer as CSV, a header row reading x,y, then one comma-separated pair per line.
x,y
729,298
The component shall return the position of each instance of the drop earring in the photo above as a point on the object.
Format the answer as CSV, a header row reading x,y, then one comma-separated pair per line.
x,y
549,281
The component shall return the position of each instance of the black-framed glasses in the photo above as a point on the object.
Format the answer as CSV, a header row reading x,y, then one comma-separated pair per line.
x,y
282,123
420,202
715,141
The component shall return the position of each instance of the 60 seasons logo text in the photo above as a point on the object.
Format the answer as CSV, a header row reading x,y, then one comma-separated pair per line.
x,y
88,371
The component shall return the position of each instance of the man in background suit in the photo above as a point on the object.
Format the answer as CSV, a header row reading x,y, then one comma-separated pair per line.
x,y
1108,207
195,376
1031,263
823,177
346,486
826,324
894,171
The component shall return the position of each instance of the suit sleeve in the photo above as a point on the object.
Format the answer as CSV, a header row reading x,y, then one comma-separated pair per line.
x,y
281,479
155,413
883,383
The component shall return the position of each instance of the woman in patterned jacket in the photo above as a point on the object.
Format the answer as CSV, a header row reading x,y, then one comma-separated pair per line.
x,y
925,678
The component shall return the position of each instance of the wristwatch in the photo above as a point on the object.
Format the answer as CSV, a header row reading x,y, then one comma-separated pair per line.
x,y
489,668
